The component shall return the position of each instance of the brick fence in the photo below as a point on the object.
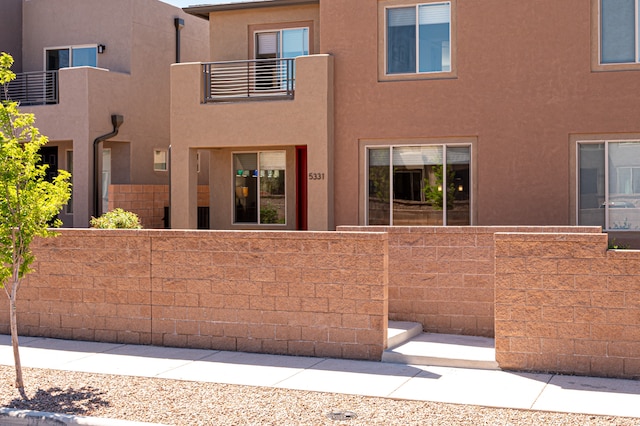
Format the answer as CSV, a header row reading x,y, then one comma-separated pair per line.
x,y
564,303
148,201
312,293
560,301
443,277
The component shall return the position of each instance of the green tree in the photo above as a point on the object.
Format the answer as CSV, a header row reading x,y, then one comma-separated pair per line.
x,y
29,204
434,194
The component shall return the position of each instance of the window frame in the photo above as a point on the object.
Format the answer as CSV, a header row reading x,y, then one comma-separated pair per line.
x,y
106,178
69,167
280,40
258,195
575,184
383,75
70,48
164,151
253,30
596,41
457,142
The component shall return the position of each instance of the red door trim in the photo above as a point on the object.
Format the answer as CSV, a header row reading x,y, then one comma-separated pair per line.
x,y
301,188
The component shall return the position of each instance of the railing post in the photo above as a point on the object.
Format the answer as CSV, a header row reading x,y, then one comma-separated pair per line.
x,y
205,93
248,79
56,86
292,65
207,81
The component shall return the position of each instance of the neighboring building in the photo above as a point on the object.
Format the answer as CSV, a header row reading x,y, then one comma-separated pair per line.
x,y
96,74
531,106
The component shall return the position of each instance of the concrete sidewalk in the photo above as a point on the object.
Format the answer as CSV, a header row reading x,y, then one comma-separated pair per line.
x,y
493,388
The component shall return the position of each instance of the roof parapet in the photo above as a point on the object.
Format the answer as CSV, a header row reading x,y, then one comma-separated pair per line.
x,y
202,11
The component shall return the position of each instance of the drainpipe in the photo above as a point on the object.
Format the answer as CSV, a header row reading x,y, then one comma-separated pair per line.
x,y
179,23
117,121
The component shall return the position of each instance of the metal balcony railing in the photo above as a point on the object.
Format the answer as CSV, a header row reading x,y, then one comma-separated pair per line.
x,y
257,79
33,88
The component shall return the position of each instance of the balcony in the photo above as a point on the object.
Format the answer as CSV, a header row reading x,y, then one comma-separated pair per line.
x,y
259,79
33,88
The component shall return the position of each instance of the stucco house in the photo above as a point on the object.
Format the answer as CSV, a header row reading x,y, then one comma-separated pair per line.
x,y
321,113
96,75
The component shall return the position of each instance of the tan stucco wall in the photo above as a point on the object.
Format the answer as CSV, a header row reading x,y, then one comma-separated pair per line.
x,y
523,87
60,23
11,31
133,81
305,120
83,114
230,30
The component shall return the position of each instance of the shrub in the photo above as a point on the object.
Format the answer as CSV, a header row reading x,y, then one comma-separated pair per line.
x,y
268,214
117,219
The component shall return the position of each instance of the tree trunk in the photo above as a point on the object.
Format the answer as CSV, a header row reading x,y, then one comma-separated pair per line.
x,y
14,343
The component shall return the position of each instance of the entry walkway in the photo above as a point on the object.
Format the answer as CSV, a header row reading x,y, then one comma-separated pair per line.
x,y
493,388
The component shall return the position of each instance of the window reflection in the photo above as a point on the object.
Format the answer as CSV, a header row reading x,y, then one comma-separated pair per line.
x,y
259,188
431,185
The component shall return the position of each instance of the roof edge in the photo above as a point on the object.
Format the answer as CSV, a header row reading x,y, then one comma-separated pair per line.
x,y
204,10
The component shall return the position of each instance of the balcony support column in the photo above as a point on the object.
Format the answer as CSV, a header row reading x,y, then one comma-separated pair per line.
x,y
184,188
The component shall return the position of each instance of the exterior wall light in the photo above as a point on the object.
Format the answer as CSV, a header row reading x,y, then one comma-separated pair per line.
x,y
101,48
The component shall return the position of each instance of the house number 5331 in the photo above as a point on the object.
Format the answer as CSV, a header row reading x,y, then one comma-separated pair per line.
x,y
316,176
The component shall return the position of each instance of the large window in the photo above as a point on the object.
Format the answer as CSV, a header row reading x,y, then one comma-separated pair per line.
x,y
619,35
418,38
74,56
419,185
609,184
259,187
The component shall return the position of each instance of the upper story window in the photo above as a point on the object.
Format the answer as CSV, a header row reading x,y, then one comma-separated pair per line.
x,y
418,38
72,56
276,49
286,43
619,34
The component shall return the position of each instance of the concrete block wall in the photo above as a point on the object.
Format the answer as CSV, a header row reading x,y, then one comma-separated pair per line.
x,y
148,201
564,303
443,277
87,285
313,293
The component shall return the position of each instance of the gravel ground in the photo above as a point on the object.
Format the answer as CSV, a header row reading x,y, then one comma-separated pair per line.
x,y
176,402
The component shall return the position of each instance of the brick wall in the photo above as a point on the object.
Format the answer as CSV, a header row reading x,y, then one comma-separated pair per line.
x,y
148,201
562,302
566,304
312,293
88,285
443,277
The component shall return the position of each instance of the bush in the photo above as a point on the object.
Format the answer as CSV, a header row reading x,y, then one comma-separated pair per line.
x,y
117,219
